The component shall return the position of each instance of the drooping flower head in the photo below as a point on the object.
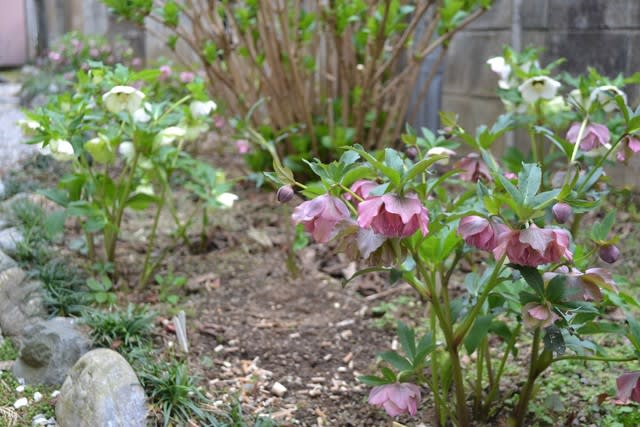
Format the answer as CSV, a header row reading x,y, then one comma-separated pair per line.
x,y
606,96
361,188
321,216
561,212
121,98
628,146
594,136
165,72
480,232
537,315
609,253
502,69
540,87
243,146
61,150
394,216
441,151
628,386
396,399
474,169
187,76
170,134
533,246
202,108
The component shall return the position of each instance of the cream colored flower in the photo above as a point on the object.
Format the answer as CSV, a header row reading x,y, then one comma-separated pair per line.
x,y
141,115
606,96
170,134
121,98
441,151
127,150
29,127
227,199
201,109
576,96
501,68
540,87
61,150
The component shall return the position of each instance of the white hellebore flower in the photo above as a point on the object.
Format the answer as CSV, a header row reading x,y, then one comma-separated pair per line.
x,y
61,150
29,127
227,199
502,69
201,109
606,96
127,150
170,134
441,151
580,100
121,98
141,115
538,87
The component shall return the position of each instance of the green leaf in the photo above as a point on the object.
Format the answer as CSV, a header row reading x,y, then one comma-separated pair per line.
x,y
141,201
593,328
556,290
56,195
532,276
420,167
397,361
477,333
511,189
372,380
601,230
529,181
425,347
407,338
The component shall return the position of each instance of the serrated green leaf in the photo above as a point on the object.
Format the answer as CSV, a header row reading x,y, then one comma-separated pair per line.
x,y
395,360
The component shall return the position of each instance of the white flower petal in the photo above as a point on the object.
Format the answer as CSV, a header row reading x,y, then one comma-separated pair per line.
x,y
539,87
227,199
121,98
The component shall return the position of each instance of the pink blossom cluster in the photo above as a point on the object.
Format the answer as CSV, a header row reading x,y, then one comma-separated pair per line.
x,y
389,215
532,246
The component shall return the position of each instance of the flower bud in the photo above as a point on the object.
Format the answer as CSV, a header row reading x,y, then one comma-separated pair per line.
x,y
561,212
285,194
412,153
609,253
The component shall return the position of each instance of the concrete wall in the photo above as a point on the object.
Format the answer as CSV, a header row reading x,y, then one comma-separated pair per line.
x,y
604,34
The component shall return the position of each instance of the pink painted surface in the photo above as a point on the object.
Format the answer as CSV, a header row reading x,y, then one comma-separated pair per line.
x,y
13,33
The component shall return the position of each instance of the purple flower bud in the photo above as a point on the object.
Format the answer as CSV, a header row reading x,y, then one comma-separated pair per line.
x,y
561,212
412,153
284,194
609,253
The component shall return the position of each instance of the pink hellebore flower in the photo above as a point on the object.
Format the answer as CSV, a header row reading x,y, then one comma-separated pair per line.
x,y
533,246
510,175
361,188
243,146
165,72
583,286
594,136
218,122
320,216
55,56
628,386
187,76
480,232
630,144
474,169
396,399
394,216
538,315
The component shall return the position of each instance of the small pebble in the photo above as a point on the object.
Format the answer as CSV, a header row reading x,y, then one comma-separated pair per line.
x,y
278,389
37,396
20,389
55,393
21,403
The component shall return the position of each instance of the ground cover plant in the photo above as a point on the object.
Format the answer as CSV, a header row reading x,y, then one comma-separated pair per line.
x,y
538,278
325,74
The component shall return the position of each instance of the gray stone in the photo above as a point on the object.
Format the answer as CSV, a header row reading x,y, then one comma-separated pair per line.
x,y
21,302
49,349
590,14
101,390
10,238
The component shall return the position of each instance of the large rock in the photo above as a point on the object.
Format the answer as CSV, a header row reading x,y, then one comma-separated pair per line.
x,y
49,349
21,301
10,238
101,390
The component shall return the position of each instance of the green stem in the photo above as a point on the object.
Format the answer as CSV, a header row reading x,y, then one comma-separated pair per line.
x,y
596,358
493,391
599,164
523,402
462,330
146,271
477,399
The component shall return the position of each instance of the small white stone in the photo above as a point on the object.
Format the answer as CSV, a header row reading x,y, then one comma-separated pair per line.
x,y
20,403
40,420
278,389
55,393
20,389
218,348
37,396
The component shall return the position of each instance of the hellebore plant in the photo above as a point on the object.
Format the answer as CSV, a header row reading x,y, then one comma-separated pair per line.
x,y
124,146
516,222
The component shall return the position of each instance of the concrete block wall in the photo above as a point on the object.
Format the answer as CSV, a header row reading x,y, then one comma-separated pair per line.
x,y
604,34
